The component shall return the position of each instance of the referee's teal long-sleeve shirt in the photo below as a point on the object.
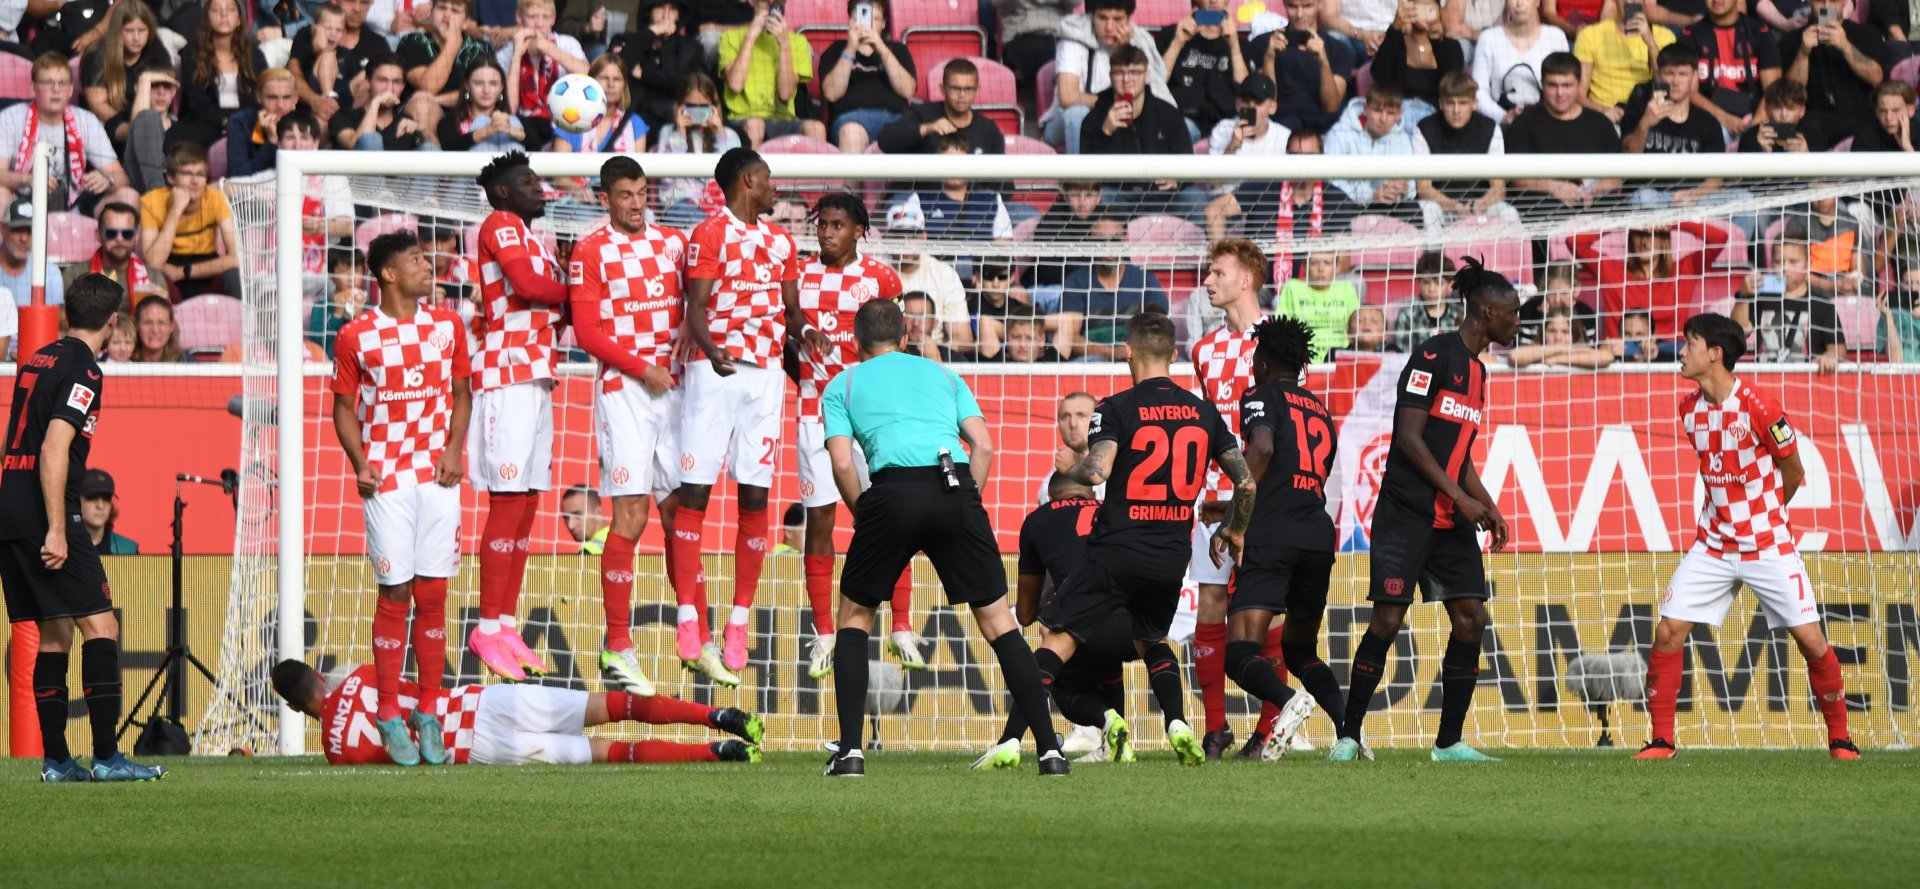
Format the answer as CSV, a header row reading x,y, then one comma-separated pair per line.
x,y
901,409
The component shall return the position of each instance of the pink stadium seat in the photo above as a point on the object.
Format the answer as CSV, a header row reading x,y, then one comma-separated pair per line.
x,y
1372,226
1028,145
935,14
804,14
16,77
1843,145
208,323
1771,239
1160,229
997,83
1907,70
1023,234
1147,233
385,223
1499,245
217,160
797,144
1044,85
71,237
1201,146
1161,13
1363,79
1859,320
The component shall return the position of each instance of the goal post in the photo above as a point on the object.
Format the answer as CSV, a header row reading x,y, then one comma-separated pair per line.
x,y
1587,464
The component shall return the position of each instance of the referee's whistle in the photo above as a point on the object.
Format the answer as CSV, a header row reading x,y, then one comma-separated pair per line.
x,y
947,470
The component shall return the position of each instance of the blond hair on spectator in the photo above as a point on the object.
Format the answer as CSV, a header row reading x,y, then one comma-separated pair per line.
x,y
537,4
1353,319
273,75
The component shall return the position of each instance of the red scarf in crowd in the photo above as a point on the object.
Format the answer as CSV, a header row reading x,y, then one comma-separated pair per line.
x,y
136,270
1283,255
76,151
537,74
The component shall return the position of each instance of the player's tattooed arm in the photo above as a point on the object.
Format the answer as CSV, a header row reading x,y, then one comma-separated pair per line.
x,y
1090,469
346,427
1240,510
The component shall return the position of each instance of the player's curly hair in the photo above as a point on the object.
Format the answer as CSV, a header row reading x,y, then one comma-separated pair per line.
x,y
496,170
845,202
1284,342
733,164
1472,281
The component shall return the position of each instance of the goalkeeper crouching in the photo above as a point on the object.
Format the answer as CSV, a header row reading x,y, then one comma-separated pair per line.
x,y
504,725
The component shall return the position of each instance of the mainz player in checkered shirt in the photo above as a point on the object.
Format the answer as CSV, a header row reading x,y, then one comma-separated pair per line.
x,y
511,724
400,408
737,263
1750,464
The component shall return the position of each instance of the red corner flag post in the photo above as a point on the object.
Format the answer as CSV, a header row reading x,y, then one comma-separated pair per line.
x,y
39,324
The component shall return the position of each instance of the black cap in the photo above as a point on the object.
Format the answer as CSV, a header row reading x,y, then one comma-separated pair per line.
x,y
96,483
20,213
1258,87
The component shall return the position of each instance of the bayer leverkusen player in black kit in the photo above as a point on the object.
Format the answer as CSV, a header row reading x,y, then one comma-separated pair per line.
x,y
48,565
1154,441
1431,506
1284,558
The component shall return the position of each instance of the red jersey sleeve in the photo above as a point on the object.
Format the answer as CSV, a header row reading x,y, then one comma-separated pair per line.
x,y
504,237
889,280
500,237
346,361
704,249
791,271
1770,425
462,360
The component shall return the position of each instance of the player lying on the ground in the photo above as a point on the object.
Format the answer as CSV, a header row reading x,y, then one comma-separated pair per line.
x,y
509,724
1750,464
1285,555
1157,438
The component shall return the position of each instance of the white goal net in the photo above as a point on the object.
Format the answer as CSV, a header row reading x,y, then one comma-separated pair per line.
x,y
1010,263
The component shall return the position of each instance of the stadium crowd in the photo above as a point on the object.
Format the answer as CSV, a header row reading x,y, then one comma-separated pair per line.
x,y
152,105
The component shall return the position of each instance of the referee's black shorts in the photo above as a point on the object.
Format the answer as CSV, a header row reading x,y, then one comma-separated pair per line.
x,y
911,510
78,589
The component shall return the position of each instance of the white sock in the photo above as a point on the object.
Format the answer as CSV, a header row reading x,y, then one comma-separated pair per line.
x,y
489,626
687,615
740,615
507,622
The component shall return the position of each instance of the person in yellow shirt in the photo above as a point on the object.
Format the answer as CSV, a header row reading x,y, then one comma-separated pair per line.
x,y
764,65
1616,54
187,232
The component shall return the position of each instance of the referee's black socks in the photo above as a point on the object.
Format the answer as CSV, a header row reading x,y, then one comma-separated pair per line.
x,y
50,702
100,685
1459,673
1018,664
1255,673
1163,676
1369,667
850,684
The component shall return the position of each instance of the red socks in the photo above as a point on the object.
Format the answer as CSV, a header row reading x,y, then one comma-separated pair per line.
x,y
659,751
500,553
430,637
749,555
690,590
1210,667
656,710
1271,651
1663,690
616,591
819,572
902,607
1830,692
389,653
522,551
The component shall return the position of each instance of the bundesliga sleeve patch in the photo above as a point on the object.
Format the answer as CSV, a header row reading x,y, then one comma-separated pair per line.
x,y
1419,382
576,270
506,237
1781,432
81,398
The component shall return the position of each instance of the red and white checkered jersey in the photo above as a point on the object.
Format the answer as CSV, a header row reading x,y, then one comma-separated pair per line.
x,y
1223,362
401,375
747,264
637,281
830,297
348,736
515,333
1739,440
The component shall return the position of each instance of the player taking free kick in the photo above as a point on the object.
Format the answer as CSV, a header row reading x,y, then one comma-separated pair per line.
x,y
743,300
626,298
400,406
521,298
1750,464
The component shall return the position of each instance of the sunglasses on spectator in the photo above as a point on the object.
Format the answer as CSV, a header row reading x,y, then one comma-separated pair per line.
x,y
118,234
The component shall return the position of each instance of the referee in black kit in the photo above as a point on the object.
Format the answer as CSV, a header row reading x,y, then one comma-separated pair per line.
x,y
909,415
48,566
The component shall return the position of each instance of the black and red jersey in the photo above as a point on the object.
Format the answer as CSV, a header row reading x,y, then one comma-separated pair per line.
x,y
1444,378
1053,539
61,382
1291,509
1167,436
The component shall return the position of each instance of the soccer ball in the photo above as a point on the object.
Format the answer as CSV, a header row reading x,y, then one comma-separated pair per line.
x,y
577,103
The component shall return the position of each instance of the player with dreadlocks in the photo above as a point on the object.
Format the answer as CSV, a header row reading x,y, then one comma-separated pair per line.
x,y
1431,506
1285,555
833,286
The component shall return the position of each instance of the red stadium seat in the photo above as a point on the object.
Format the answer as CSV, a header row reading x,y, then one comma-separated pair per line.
x,y
1161,13
1499,245
1009,118
997,83
932,47
71,237
209,323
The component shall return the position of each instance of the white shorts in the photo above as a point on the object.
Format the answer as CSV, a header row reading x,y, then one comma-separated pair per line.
x,y
817,487
639,438
413,532
731,421
519,724
1200,568
1702,589
510,444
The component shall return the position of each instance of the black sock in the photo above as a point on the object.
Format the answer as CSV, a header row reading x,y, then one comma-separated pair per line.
x,y
850,685
1113,693
100,685
1027,680
1079,707
1317,678
1254,673
1459,673
1369,668
50,702
1016,727
1163,675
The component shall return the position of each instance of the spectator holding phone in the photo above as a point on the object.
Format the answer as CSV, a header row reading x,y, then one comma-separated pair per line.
x,y
764,64
869,76
1616,55
1841,62
659,55
1415,54
1311,71
1636,343
1082,64
1785,105
1665,120
699,127
1129,119
1739,59
1205,62
1778,306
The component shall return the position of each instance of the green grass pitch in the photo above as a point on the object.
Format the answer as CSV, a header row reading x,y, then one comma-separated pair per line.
x,y
1710,818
